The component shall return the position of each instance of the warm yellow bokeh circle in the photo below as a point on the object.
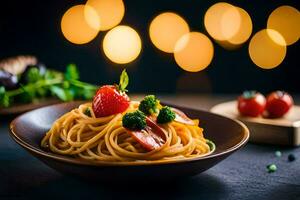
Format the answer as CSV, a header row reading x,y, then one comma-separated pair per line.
x,y
230,22
267,48
222,21
286,20
229,25
110,12
166,29
122,44
194,52
245,29
80,24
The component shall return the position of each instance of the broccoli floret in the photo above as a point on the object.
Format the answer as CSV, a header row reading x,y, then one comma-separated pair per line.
x,y
134,120
165,115
149,105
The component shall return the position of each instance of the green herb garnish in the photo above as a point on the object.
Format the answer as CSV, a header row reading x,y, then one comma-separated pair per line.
x,y
4,99
124,81
71,72
34,75
271,168
64,86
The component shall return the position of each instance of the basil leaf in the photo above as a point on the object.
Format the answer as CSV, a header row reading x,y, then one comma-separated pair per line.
x,y
124,80
88,94
62,94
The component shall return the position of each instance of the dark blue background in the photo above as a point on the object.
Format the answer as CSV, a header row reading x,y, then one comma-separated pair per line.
x,y
33,27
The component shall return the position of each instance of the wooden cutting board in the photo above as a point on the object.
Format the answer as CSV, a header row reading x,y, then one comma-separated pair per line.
x,y
281,131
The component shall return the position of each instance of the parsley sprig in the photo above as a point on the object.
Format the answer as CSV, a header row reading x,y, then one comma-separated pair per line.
x,y
64,86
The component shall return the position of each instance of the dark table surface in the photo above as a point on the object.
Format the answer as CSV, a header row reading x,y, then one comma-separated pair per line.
x,y
243,175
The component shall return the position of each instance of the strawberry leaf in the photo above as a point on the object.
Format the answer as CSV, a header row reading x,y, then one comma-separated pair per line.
x,y
124,80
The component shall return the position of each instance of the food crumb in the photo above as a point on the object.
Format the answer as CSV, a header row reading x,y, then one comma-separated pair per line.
x,y
291,157
278,153
271,168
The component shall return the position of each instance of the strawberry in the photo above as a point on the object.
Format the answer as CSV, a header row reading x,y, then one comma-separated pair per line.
x,y
111,99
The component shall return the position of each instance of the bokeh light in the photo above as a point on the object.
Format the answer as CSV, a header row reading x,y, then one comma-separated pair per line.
x,y
286,20
166,29
267,48
229,25
245,29
110,12
230,22
222,21
80,24
122,44
193,52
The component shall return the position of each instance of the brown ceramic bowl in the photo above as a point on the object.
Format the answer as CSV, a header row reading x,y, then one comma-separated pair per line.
x,y
228,135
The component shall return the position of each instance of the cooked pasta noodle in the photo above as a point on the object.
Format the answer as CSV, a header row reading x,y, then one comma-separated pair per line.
x,y
105,139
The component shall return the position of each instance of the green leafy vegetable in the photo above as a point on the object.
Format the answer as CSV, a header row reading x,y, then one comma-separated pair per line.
x,y
72,72
2,93
52,74
149,105
61,93
165,115
34,75
4,99
29,93
64,86
88,94
134,120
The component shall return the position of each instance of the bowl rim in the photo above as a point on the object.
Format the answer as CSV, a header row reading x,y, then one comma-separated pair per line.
x,y
70,160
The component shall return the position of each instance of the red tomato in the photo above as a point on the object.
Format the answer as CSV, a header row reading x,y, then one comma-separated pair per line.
x,y
251,103
278,104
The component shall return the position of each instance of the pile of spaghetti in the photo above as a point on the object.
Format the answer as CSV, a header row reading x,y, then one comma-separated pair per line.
x,y
93,133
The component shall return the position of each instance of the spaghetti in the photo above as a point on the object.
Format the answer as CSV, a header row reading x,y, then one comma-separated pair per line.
x,y
105,139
